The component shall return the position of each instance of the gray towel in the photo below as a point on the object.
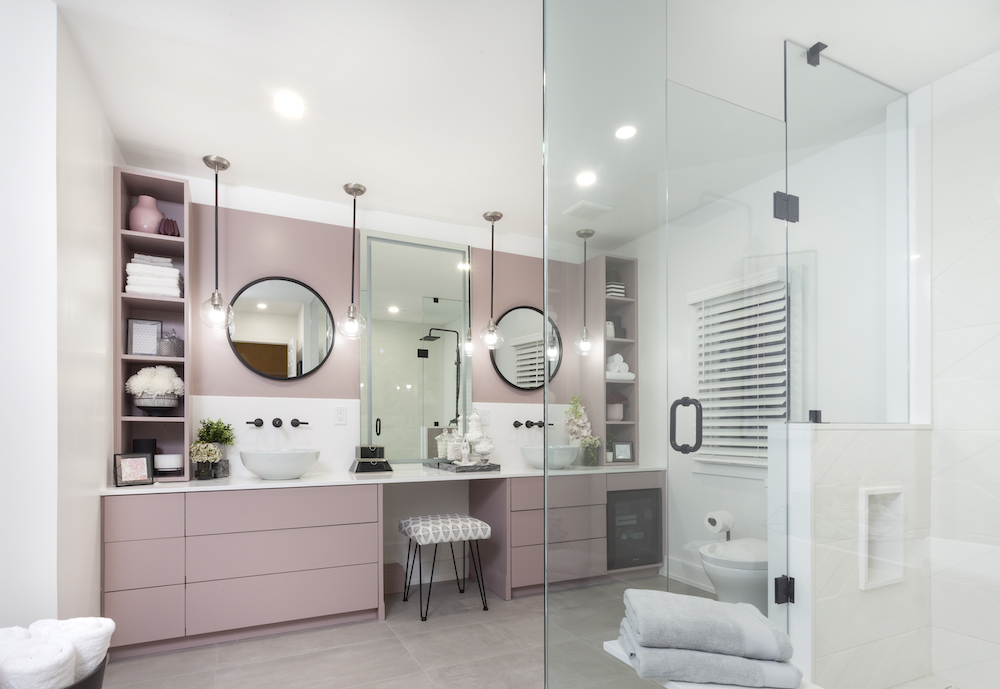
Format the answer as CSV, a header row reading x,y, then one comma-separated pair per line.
x,y
681,665
669,620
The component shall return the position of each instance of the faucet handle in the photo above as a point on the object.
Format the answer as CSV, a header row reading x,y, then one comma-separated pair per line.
x,y
256,422
296,423
532,424
518,424
276,423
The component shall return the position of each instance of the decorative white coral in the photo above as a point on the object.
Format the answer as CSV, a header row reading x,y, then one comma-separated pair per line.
x,y
155,380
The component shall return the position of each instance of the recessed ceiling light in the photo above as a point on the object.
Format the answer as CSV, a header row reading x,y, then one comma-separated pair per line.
x,y
585,179
626,132
289,104
393,309
464,266
261,306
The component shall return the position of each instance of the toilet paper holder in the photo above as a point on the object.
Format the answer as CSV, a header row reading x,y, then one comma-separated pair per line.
x,y
720,521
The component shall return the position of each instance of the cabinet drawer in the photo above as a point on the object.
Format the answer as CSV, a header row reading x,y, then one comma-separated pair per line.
x,y
527,528
527,566
637,480
527,494
214,606
143,564
146,614
573,491
138,517
577,523
238,511
226,556
578,559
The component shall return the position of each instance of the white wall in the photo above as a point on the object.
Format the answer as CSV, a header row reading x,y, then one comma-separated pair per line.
x,y
28,278
966,385
87,150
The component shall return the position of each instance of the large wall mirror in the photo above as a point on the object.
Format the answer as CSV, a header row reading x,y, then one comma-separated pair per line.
x,y
282,329
415,377
529,352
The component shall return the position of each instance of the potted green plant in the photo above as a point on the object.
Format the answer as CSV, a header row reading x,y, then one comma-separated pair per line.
x,y
220,434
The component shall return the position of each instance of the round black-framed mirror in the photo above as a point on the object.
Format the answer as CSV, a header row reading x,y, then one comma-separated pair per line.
x,y
525,355
282,328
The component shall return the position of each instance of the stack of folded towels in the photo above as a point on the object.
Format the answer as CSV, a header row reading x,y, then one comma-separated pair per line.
x,y
691,639
618,369
614,289
152,275
53,654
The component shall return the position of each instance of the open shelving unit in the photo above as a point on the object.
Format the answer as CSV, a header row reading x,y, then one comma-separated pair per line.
x,y
596,387
173,200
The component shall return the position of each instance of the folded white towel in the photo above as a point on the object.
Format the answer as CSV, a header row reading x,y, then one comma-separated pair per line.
x,y
151,271
91,636
10,638
41,662
146,259
153,291
619,376
140,280
615,359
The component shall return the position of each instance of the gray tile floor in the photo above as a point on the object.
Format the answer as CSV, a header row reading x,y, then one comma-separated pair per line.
x,y
459,647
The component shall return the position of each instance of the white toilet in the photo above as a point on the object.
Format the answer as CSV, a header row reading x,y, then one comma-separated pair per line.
x,y
738,570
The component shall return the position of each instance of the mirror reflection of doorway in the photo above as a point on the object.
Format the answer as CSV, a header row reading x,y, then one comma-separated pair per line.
x,y
413,375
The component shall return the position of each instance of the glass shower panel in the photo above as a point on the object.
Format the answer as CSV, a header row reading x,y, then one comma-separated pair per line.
x,y
849,252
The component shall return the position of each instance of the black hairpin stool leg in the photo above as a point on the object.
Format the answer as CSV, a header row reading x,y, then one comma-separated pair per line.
x,y
478,569
461,582
408,575
424,611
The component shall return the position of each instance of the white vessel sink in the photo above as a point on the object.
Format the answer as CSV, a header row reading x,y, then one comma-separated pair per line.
x,y
560,456
279,464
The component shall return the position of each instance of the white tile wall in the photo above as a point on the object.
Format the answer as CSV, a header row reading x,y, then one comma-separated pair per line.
x,y
965,495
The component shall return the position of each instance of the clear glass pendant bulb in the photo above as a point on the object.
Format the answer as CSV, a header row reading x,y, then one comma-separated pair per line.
x,y
553,350
491,336
351,324
469,346
583,344
216,313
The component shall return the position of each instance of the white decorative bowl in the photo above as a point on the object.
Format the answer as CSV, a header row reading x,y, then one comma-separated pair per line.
x,y
279,465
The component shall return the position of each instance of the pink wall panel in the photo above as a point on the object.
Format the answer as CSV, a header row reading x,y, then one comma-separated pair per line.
x,y
527,493
571,491
215,606
145,614
236,511
143,564
137,517
226,556
252,246
566,309
527,528
637,480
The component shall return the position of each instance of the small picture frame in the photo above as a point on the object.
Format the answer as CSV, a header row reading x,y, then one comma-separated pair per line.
x,y
134,469
143,336
622,451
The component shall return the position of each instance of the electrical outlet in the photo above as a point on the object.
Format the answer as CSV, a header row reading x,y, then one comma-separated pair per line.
x,y
484,415
340,416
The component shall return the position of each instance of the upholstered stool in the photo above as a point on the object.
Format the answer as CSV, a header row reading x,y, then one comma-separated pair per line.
x,y
437,529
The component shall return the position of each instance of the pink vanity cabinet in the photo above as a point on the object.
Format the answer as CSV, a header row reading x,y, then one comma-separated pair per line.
x,y
514,558
240,562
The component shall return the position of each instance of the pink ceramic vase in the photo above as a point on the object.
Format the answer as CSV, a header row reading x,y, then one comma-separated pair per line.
x,y
145,216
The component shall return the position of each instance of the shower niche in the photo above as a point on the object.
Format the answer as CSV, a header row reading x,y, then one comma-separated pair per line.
x,y
881,537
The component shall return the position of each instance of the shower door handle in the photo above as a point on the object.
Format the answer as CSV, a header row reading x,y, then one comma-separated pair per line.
x,y
378,426
685,402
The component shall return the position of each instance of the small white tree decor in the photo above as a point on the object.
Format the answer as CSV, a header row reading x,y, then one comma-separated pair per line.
x,y
578,428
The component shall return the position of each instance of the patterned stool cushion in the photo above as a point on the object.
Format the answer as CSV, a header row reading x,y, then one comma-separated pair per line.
x,y
444,528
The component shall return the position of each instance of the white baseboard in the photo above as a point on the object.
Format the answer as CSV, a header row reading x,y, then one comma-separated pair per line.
x,y
687,573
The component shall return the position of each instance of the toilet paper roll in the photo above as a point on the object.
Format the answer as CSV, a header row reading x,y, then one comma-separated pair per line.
x,y
719,521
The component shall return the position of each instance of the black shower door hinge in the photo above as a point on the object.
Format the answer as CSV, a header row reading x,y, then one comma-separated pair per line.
x,y
784,589
786,206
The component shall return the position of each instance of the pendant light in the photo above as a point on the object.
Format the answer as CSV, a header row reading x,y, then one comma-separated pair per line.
x,y
491,336
215,312
352,323
583,344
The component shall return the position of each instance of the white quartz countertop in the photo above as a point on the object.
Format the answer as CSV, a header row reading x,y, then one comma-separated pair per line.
x,y
403,473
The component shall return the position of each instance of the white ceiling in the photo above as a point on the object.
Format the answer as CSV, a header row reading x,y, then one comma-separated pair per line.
x,y
436,105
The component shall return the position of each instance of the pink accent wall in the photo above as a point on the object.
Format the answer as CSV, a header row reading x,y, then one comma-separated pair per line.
x,y
252,246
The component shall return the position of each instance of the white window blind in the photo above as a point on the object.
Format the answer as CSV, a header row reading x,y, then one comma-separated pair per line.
x,y
742,347
529,362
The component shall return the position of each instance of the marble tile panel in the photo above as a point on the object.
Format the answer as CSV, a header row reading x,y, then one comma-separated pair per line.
x,y
966,662
521,670
443,647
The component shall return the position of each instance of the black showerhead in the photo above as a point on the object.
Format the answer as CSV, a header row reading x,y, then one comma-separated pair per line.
x,y
429,338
